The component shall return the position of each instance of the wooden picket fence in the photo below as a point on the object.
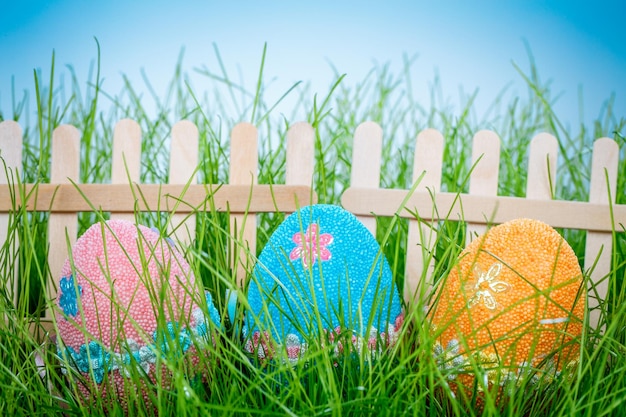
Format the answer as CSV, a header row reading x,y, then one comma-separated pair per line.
x,y
482,206
243,197
64,197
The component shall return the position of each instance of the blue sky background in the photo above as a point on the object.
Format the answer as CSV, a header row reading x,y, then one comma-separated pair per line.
x,y
471,45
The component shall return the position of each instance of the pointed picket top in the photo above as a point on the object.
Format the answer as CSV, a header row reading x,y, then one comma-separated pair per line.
x,y
422,238
542,165
126,152
65,155
484,175
604,165
300,154
183,153
366,154
183,164
599,245
11,154
244,153
10,147
62,227
126,158
244,166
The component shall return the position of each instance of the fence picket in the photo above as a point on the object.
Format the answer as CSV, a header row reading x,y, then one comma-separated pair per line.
x,y
366,154
300,155
62,227
599,245
183,164
422,237
244,163
484,177
126,164
542,157
11,153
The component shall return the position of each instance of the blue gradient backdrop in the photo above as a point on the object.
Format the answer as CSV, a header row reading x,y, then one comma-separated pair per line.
x,y
471,45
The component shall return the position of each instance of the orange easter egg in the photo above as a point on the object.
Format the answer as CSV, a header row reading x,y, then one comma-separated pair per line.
x,y
512,308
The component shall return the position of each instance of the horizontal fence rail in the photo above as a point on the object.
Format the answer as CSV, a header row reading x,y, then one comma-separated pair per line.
x,y
125,198
477,208
424,205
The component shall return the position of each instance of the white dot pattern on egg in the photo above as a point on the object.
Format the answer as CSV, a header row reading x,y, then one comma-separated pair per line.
x,y
114,315
321,272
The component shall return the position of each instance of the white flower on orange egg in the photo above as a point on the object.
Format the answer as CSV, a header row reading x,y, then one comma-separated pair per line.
x,y
485,285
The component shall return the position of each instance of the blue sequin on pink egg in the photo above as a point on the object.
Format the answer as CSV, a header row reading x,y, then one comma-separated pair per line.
x,y
69,295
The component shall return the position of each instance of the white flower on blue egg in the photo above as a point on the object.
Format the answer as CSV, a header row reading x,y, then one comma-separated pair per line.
x,y
69,293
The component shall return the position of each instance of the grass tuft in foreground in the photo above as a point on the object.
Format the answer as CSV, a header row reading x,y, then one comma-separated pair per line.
x,y
406,381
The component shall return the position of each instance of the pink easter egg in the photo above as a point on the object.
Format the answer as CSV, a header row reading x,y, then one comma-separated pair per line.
x,y
127,302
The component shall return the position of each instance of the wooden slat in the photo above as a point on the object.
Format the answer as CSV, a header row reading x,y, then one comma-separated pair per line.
x,y
475,208
484,176
62,226
542,157
183,164
244,165
422,238
599,245
300,154
123,198
11,153
366,153
126,164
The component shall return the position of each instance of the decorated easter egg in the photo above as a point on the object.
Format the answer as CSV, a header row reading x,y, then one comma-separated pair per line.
x,y
511,309
321,275
128,302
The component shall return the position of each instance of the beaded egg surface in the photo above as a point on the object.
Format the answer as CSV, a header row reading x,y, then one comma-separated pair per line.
x,y
513,306
321,274
127,301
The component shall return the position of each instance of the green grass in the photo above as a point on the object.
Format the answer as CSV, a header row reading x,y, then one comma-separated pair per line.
x,y
407,380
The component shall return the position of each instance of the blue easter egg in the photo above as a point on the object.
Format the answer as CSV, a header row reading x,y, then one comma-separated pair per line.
x,y
321,273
